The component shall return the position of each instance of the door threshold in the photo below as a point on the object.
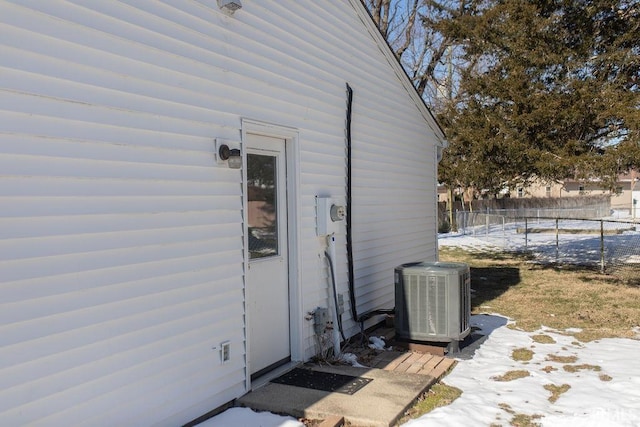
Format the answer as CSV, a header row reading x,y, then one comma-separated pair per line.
x,y
280,370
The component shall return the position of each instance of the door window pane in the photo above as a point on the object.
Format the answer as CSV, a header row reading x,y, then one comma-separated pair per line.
x,y
262,206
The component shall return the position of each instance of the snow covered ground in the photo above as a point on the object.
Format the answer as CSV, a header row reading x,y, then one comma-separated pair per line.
x,y
603,377
584,248
511,236
245,417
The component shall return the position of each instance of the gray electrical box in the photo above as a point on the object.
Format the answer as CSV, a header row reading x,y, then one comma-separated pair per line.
x,y
320,319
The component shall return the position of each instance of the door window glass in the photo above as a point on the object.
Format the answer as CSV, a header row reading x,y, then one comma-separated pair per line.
x,y
262,206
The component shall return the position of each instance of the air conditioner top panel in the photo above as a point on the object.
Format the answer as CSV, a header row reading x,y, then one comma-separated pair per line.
x,y
422,267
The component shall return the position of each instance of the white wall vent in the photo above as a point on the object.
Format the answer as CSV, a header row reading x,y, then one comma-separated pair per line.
x,y
433,301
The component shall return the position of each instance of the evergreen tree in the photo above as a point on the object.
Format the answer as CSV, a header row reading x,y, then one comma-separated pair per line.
x,y
551,91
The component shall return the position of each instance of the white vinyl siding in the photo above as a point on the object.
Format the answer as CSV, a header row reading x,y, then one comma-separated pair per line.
x,y
121,238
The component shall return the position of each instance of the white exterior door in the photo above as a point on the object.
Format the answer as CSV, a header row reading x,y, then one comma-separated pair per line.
x,y
267,278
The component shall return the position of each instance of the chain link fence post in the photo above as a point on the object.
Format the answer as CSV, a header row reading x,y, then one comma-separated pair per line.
x,y
602,246
557,242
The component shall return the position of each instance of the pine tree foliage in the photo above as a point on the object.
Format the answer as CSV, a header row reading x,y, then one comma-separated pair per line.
x,y
554,93
526,90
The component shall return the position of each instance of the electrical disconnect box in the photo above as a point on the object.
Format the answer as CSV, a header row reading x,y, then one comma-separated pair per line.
x,y
328,215
320,320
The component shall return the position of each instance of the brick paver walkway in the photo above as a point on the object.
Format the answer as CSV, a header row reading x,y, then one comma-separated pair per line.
x,y
412,362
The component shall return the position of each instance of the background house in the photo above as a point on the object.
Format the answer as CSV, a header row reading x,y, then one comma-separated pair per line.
x,y
621,200
131,294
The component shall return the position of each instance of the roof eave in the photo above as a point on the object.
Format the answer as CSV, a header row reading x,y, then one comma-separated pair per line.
x,y
431,120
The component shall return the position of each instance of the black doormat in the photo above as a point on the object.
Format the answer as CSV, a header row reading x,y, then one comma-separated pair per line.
x,y
324,381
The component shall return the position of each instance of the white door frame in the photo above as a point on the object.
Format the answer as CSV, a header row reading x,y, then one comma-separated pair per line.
x,y
292,153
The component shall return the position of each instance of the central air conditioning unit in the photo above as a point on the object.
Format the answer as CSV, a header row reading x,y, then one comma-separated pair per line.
x,y
433,301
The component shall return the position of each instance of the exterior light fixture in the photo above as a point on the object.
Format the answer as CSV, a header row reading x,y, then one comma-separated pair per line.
x,y
229,6
232,156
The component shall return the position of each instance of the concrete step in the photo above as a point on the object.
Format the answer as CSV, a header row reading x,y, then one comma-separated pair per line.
x,y
379,403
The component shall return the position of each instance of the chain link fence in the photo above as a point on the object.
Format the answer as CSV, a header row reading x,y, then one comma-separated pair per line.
x,y
611,245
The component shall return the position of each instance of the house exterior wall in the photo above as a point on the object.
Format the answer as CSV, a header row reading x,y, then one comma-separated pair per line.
x,y
121,238
541,190
621,200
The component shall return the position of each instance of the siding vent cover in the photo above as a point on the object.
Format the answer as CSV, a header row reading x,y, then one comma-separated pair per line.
x,y
433,301
225,352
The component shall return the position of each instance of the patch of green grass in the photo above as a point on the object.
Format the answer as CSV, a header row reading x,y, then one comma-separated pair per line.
x,y
576,368
605,377
556,391
561,359
507,408
543,339
511,375
438,395
522,354
520,420
523,420
560,298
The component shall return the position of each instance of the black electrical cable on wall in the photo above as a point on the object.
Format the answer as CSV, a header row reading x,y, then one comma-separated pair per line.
x,y
352,293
